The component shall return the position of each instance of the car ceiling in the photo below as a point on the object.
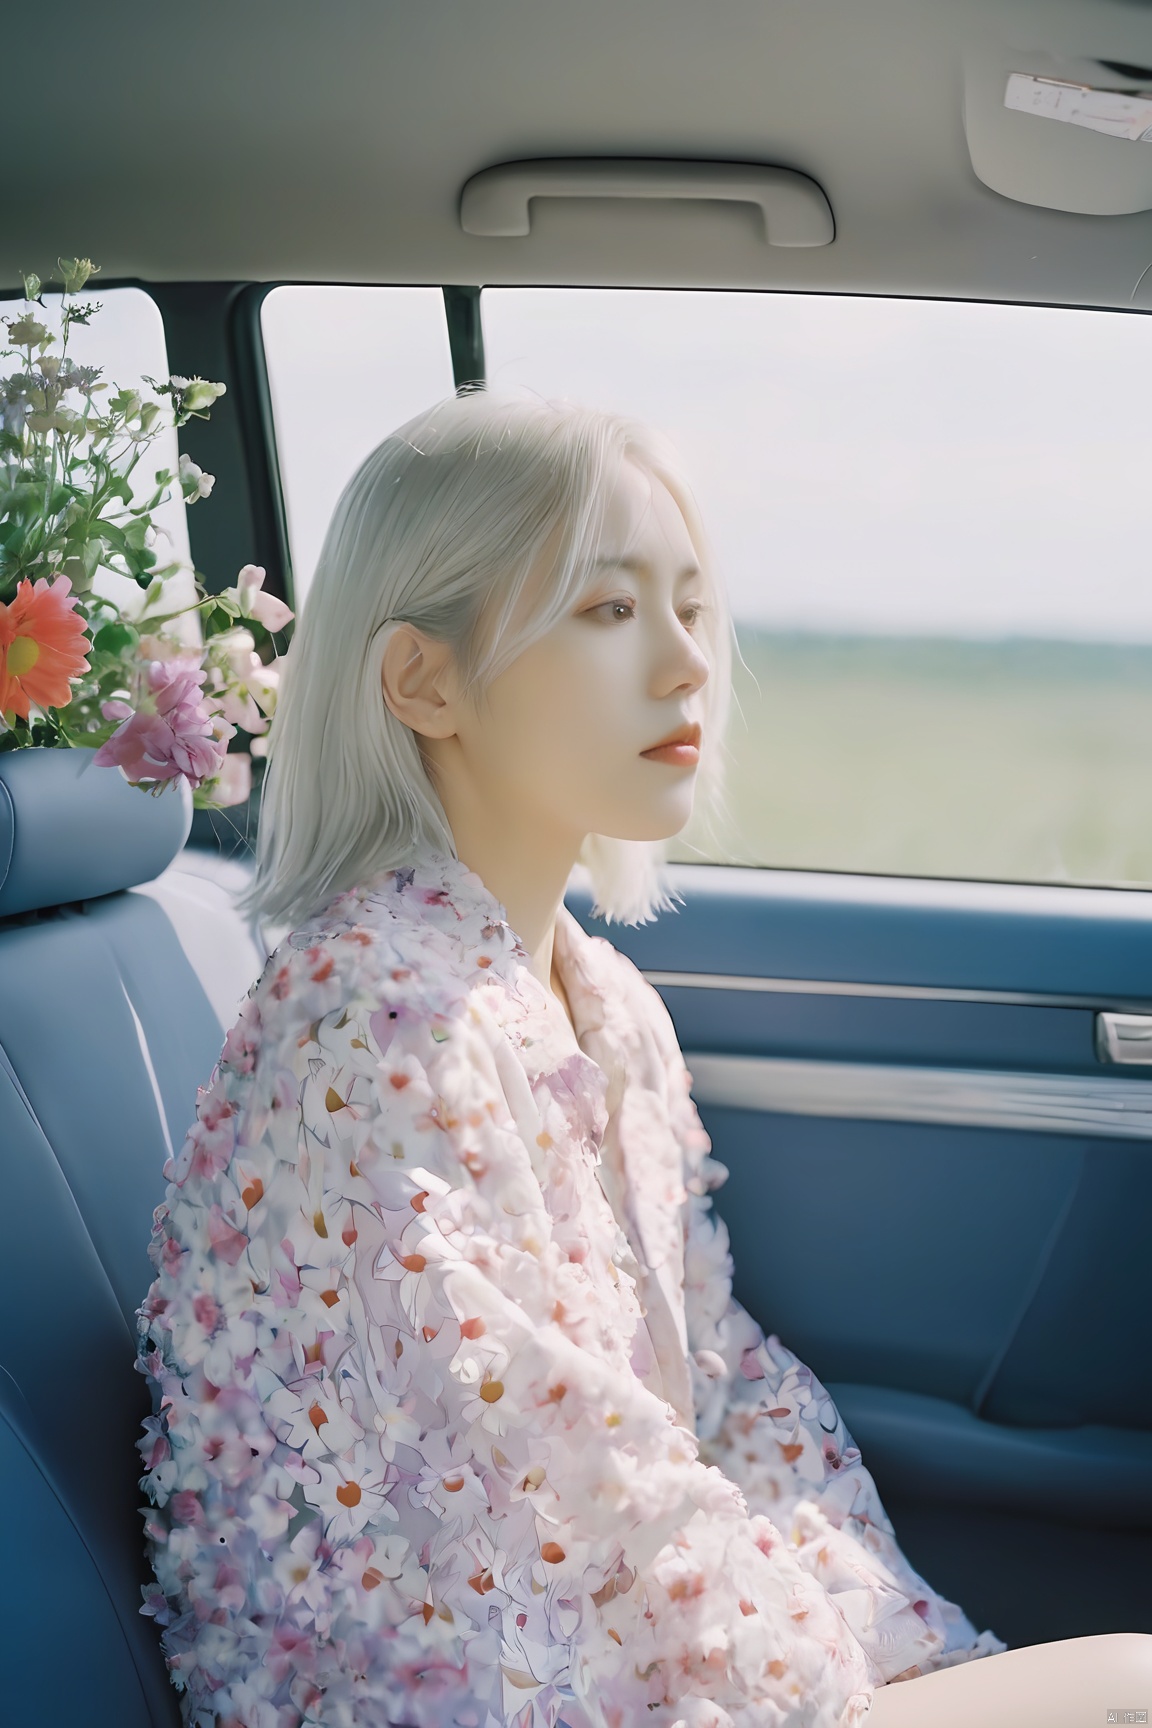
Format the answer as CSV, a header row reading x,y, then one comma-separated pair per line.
x,y
286,140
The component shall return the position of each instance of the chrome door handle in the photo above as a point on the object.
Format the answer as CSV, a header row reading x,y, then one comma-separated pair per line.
x,y
1124,1038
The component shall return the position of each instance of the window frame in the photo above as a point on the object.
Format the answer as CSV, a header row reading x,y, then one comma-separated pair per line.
x,y
255,445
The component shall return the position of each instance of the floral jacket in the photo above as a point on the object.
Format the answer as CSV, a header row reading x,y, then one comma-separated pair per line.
x,y
457,1420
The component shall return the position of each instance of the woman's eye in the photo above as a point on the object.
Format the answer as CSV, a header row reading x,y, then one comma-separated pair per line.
x,y
615,611
691,614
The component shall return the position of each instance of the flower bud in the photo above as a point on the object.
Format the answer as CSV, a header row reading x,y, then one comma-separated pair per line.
x,y
75,272
199,393
194,483
32,285
265,608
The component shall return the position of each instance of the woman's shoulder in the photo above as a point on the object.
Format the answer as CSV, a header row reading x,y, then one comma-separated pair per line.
x,y
360,953
335,992
622,984
637,1022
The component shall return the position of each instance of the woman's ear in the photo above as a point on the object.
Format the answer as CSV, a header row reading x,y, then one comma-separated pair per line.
x,y
416,677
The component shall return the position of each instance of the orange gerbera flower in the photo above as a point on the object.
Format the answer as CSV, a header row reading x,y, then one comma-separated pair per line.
x,y
42,646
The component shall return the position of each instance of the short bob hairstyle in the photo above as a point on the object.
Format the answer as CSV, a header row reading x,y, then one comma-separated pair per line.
x,y
441,527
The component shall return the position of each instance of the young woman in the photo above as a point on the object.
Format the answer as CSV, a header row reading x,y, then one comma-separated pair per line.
x,y
458,1423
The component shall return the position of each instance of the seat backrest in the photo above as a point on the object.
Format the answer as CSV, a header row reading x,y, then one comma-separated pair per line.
x,y
105,1034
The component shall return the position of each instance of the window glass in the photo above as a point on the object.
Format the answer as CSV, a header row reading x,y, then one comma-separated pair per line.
x,y
126,340
930,519
346,366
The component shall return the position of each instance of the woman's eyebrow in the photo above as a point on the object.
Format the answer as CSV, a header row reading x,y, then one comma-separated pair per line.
x,y
638,566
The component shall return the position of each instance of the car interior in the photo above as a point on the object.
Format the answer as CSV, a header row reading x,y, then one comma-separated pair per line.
x,y
883,272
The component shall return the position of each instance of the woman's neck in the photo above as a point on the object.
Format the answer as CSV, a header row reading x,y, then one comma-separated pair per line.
x,y
523,862
529,881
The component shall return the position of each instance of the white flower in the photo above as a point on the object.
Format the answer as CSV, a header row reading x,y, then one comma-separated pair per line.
x,y
194,483
350,1494
393,1424
265,608
236,649
307,1418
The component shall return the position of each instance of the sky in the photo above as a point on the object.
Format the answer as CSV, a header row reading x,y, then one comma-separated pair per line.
x,y
863,465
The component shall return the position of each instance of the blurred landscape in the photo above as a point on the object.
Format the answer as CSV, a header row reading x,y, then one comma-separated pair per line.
x,y
1020,760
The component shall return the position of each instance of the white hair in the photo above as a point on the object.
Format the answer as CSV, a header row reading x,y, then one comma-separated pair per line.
x,y
441,528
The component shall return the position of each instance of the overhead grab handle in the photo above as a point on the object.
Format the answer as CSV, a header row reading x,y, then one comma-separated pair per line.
x,y
795,210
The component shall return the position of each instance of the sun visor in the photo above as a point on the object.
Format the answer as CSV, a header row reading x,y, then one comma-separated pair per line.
x,y
1066,134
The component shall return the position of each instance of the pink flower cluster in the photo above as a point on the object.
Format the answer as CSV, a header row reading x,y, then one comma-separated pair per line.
x,y
171,733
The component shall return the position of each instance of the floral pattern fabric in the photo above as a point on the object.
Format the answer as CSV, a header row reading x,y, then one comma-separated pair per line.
x,y
457,1423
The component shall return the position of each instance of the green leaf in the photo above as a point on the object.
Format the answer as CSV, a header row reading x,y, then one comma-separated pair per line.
x,y
81,314
114,537
115,638
26,496
91,554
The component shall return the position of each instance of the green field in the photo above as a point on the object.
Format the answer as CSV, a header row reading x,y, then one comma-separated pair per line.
x,y
1018,760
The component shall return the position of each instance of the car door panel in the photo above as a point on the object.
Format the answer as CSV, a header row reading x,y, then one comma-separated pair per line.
x,y
939,1197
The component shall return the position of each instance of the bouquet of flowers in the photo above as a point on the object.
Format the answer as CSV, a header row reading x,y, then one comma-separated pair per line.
x,y
138,679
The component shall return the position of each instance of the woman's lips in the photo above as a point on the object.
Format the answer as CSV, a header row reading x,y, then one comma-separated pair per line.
x,y
679,755
682,750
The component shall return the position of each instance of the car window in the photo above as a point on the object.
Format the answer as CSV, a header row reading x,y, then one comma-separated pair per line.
x,y
930,518
346,366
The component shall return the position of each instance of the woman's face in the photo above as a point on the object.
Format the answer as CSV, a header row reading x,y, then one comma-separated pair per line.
x,y
565,736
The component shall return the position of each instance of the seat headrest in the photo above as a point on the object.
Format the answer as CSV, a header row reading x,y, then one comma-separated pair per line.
x,y
72,831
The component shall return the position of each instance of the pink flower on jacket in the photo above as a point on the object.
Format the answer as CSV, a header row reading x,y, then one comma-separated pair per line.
x,y
171,733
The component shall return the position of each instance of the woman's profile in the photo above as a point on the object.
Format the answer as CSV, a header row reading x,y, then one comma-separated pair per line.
x,y
458,1424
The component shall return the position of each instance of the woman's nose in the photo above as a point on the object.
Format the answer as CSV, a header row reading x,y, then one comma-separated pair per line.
x,y
685,665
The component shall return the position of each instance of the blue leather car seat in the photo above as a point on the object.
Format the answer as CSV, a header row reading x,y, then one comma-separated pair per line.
x,y
105,1034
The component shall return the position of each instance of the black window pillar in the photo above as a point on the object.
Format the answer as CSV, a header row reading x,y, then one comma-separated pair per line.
x,y
212,330
465,335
